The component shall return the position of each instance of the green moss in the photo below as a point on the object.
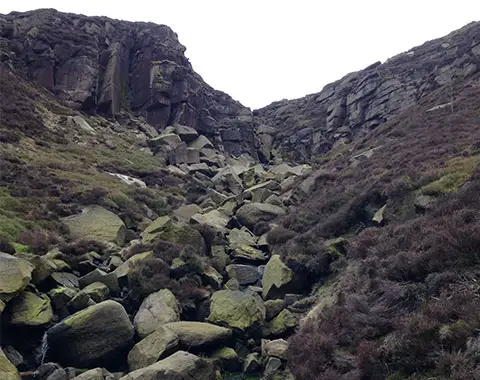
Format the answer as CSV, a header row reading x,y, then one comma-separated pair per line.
x,y
457,172
20,248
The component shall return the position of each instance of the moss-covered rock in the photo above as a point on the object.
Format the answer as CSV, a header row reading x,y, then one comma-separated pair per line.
x,y
282,323
154,228
273,308
60,297
124,269
15,274
95,334
252,213
152,348
7,369
228,357
276,278
156,310
44,266
237,309
252,363
96,222
180,365
29,309
97,291
198,334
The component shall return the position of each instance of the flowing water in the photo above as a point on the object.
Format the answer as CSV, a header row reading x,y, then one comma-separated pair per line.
x,y
42,352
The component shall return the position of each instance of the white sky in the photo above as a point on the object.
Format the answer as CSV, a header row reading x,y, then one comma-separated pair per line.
x,y
259,51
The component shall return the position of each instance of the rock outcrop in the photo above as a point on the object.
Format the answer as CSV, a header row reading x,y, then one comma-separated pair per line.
x,y
106,66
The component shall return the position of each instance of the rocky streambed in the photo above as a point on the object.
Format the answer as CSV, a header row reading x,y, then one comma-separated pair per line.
x,y
200,293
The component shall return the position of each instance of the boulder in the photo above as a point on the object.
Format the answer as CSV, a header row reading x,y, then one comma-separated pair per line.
x,y
152,348
228,357
94,374
29,309
124,269
185,133
245,252
15,274
183,235
276,278
156,310
79,302
240,237
212,277
202,168
96,222
273,308
244,274
237,309
95,334
252,363
201,142
151,232
282,323
252,213
7,369
44,266
214,219
168,139
98,275
198,334
228,180
272,366
97,291
179,154
193,156
180,365
68,280
276,348
187,211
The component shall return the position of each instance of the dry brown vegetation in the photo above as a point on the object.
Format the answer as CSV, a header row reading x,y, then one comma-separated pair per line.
x,y
407,304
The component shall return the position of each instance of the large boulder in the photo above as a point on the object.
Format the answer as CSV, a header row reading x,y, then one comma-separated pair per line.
x,y
95,334
237,309
276,278
152,230
96,222
252,213
185,133
98,275
156,310
276,348
15,274
152,348
29,309
181,365
7,369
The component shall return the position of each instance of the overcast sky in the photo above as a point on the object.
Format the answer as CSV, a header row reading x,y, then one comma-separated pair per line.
x,y
259,51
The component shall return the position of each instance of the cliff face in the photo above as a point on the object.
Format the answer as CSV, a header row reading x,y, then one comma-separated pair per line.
x,y
361,101
105,66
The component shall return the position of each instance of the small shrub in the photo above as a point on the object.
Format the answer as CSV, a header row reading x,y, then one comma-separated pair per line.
x,y
147,277
279,235
82,246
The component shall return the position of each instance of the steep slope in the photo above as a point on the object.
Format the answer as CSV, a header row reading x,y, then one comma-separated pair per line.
x,y
361,101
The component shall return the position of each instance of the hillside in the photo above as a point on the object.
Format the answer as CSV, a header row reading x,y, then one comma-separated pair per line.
x,y
153,227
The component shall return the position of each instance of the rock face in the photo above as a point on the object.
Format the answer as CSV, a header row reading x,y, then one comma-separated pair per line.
x,y
363,100
91,335
96,64
156,310
180,365
15,274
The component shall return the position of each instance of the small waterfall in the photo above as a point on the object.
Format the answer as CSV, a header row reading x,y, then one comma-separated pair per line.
x,y
42,352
